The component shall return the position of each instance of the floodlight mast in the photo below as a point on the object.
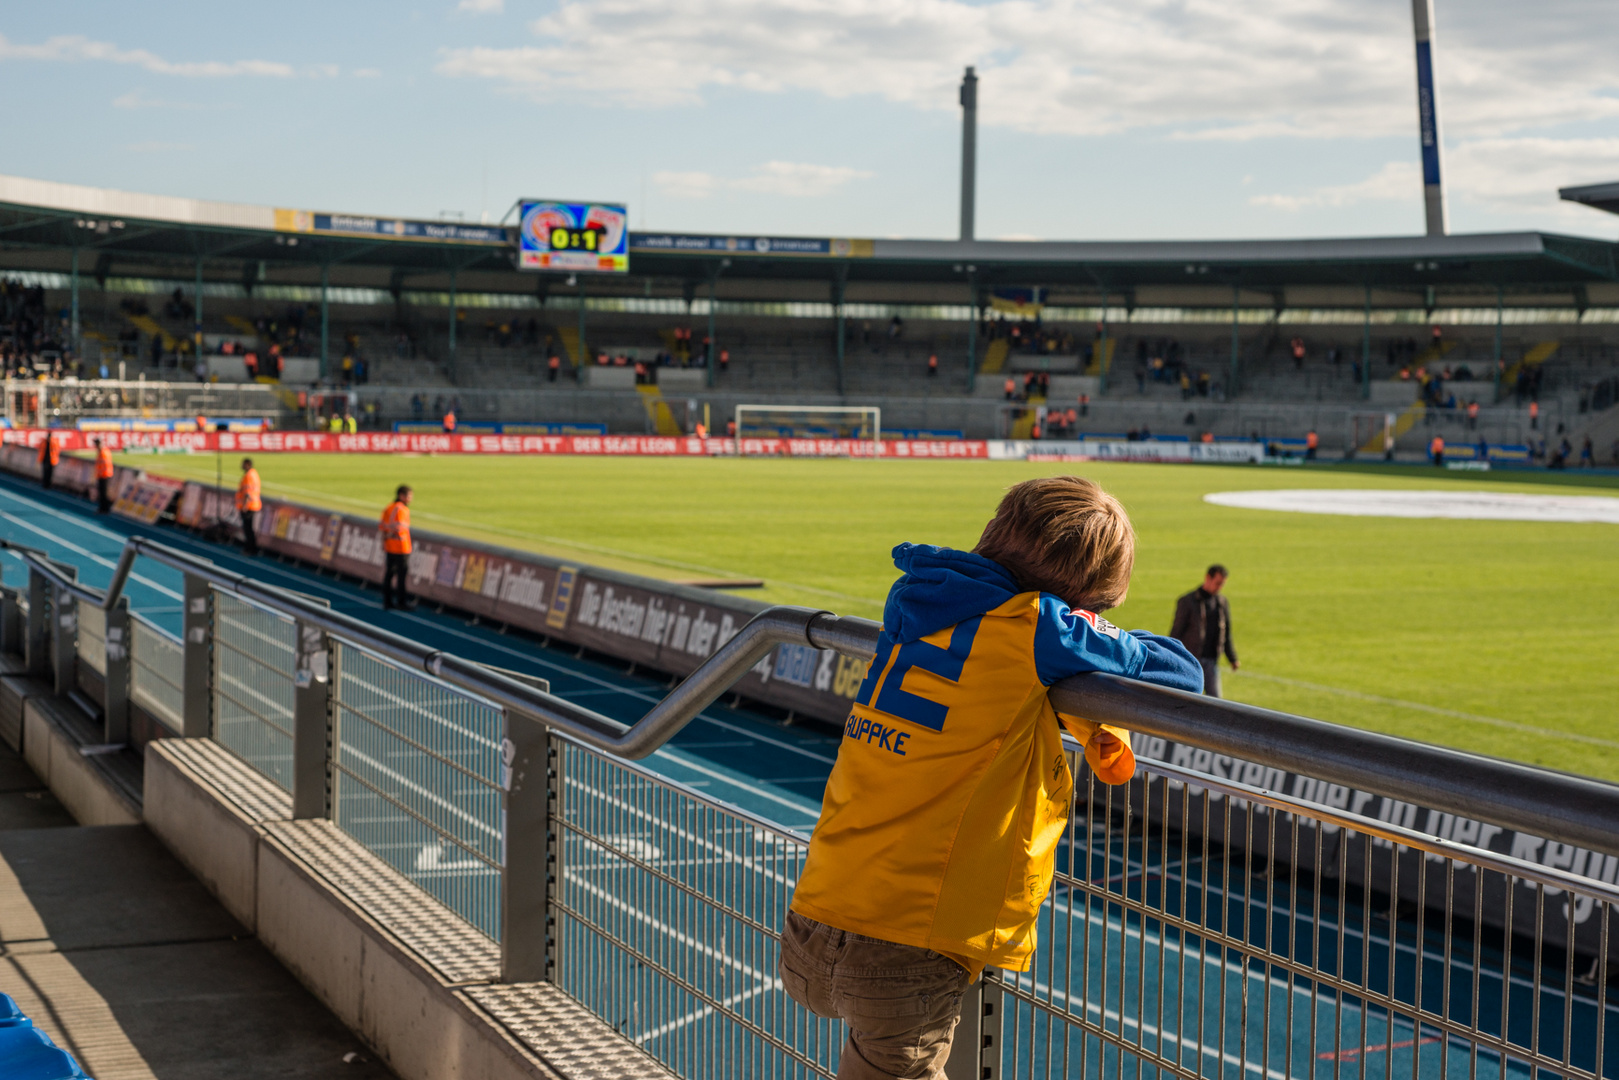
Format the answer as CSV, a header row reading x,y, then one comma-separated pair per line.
x,y
1433,189
969,150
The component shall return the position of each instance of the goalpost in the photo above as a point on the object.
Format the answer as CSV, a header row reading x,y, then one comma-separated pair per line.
x,y
862,422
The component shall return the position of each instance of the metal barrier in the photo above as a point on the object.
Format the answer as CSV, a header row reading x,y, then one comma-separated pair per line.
x,y
253,677
416,778
157,672
92,643
1197,926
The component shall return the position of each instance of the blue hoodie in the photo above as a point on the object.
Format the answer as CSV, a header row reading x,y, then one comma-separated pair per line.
x,y
943,587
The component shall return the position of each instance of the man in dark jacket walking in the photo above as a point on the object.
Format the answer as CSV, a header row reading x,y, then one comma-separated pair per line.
x,y
1203,625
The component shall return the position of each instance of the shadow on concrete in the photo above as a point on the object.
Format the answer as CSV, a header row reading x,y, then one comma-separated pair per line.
x,y
126,960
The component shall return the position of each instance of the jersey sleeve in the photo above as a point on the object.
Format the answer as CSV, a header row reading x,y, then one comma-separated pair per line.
x,y
1069,642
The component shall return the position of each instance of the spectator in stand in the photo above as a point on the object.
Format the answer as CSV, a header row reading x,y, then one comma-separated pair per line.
x,y
1011,388
1084,404
104,474
1587,454
248,504
933,363
552,366
1073,420
1203,624
725,360
1472,415
1297,346
1534,415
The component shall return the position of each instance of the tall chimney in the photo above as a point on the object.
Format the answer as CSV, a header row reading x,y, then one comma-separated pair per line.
x,y
1433,188
969,150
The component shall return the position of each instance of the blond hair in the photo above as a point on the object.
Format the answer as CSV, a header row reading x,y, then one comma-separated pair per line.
x,y
1066,536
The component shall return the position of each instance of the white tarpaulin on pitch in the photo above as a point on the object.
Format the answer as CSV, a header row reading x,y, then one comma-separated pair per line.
x,y
1481,505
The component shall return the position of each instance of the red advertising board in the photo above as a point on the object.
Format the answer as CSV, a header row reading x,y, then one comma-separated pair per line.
x,y
388,442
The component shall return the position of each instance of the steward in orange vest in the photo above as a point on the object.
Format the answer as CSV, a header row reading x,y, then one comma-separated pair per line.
x,y
104,474
396,547
50,456
449,423
248,505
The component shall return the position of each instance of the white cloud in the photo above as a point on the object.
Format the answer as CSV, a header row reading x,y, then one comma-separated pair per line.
x,y
1209,69
74,48
1396,181
367,73
482,7
789,178
1523,174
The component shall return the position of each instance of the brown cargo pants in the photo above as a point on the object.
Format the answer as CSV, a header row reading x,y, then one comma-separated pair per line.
x,y
901,1002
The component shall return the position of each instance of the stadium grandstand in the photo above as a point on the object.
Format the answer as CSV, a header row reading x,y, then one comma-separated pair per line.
x,y
401,321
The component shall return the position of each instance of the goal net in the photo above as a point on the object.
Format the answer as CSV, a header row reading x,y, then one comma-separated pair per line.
x,y
755,423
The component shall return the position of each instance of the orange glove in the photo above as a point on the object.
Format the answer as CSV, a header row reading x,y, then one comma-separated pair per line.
x,y
1107,749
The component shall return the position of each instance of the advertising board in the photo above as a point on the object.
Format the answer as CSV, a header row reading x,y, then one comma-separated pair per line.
x,y
657,624
593,237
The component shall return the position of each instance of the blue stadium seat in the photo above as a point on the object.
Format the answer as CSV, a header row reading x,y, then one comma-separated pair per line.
x,y
27,1053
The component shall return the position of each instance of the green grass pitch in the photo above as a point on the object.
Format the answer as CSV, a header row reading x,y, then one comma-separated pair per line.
x,y
1497,637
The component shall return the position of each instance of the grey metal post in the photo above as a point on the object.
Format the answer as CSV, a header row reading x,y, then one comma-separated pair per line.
x,y
196,335
1236,298
35,650
64,635
972,329
198,679
837,306
1433,188
454,272
713,360
1366,350
976,1052
969,151
313,676
1500,301
526,875
115,714
75,287
584,353
325,317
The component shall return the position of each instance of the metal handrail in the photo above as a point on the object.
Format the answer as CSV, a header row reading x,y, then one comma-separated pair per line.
x,y
1572,808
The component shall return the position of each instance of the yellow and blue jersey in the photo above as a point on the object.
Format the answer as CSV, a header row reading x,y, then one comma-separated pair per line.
x,y
941,818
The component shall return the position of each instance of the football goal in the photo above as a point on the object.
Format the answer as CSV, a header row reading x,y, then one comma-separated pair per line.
x,y
863,422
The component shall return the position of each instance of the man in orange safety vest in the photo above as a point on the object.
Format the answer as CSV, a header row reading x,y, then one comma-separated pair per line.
x,y
248,505
449,423
396,550
104,473
50,456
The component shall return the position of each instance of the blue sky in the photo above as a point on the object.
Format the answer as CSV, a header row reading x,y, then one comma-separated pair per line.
x,y
1103,119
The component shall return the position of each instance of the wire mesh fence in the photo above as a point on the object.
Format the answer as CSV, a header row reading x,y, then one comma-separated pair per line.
x,y
253,684
92,641
1199,928
157,672
417,779
1196,928
669,911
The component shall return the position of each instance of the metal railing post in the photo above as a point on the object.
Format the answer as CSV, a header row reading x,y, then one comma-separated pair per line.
x,y
34,649
525,876
198,644
64,635
975,1053
313,682
117,673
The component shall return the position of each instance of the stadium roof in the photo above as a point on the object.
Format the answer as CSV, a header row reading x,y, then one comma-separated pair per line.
x,y
1599,196
121,229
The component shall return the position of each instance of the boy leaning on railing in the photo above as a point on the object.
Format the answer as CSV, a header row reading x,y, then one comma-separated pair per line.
x,y
940,822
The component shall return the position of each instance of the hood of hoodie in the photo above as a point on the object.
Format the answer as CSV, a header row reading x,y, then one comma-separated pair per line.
x,y
940,587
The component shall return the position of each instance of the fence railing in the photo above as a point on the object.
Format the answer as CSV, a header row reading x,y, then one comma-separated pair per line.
x,y
1197,926
157,672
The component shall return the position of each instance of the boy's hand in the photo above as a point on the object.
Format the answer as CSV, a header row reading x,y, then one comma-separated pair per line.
x,y
1110,757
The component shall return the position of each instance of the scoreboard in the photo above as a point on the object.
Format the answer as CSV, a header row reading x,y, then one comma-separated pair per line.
x,y
573,236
